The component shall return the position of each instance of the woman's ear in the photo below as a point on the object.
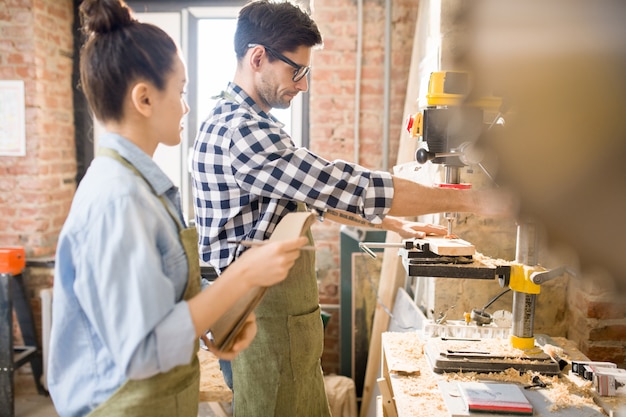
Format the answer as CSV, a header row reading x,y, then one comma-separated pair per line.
x,y
141,98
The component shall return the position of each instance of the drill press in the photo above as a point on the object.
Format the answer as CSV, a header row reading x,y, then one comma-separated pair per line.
x,y
448,126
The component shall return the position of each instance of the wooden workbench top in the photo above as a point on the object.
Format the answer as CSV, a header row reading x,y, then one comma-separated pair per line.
x,y
212,385
417,391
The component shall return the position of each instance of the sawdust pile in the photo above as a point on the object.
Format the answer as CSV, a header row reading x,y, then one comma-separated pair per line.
x,y
404,351
492,262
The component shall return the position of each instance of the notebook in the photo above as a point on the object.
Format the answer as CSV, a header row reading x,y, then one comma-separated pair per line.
x,y
503,398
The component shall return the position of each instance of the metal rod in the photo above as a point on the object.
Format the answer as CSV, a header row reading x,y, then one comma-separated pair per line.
x,y
387,87
253,243
381,245
526,245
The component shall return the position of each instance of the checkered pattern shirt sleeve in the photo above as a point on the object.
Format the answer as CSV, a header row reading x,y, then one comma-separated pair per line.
x,y
247,174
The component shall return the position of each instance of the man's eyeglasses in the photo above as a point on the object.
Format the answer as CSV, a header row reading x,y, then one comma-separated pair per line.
x,y
299,72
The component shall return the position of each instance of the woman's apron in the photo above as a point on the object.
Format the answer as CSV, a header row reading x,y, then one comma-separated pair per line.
x,y
280,374
173,393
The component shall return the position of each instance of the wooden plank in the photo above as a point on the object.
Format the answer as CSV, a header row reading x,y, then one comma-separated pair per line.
x,y
365,279
448,247
389,406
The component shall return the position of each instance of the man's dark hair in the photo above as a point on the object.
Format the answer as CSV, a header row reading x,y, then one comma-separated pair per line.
x,y
282,26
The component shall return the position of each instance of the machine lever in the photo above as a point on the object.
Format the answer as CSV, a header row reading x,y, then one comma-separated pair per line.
x,y
366,247
544,276
422,155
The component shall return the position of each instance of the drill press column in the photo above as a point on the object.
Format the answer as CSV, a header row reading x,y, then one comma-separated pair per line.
x,y
524,290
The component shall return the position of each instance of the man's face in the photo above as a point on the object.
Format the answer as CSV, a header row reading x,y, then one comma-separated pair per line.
x,y
276,88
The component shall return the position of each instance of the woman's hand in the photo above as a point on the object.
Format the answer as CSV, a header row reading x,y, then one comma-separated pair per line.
x,y
242,341
270,263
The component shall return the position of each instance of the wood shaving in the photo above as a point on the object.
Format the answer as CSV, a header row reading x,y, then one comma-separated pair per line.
x,y
484,259
404,352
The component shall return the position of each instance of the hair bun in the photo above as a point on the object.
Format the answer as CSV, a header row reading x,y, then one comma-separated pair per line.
x,y
103,16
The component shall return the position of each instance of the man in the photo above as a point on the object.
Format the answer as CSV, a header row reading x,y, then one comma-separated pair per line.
x,y
247,174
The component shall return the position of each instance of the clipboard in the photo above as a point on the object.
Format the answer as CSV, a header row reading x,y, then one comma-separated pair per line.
x,y
225,330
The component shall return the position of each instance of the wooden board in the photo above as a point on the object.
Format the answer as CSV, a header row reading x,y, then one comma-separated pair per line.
x,y
212,385
365,279
447,247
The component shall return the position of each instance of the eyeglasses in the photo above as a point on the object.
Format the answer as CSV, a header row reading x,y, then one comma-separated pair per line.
x,y
299,72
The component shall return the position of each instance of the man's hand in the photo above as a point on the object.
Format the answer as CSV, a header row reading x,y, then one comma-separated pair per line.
x,y
407,229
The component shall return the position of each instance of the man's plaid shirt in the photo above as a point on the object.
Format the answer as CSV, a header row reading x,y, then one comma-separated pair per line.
x,y
247,174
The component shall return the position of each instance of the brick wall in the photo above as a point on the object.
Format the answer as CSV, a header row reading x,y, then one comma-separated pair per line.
x,y
36,189
333,106
597,317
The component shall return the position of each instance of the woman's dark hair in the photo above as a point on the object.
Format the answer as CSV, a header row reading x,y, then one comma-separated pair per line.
x,y
118,51
282,26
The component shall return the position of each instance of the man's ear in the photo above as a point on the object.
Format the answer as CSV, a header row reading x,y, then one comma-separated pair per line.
x,y
256,58
141,98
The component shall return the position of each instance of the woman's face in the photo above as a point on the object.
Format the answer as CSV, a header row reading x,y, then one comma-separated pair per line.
x,y
171,106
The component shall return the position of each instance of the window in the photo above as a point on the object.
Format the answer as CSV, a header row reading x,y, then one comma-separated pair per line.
x,y
216,64
205,35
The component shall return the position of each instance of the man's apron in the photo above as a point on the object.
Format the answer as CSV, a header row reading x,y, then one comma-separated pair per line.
x,y
280,373
174,393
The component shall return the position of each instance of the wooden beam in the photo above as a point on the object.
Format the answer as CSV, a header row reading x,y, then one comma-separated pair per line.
x,y
392,274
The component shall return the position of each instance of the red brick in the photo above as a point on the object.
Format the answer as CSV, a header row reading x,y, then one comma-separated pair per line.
x,y
605,310
605,353
615,332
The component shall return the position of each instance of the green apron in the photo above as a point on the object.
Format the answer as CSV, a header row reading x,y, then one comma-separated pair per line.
x,y
173,393
280,374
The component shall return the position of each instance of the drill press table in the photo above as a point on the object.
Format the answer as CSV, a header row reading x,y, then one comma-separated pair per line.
x,y
485,355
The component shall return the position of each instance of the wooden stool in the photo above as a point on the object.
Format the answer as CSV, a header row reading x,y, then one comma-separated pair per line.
x,y
13,295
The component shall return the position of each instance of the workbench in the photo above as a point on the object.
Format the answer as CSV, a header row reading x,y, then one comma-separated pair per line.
x,y
213,389
409,387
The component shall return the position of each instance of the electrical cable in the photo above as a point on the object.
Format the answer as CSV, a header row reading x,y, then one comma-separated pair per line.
x,y
494,299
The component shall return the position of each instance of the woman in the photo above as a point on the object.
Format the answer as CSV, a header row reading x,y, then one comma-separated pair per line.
x,y
127,306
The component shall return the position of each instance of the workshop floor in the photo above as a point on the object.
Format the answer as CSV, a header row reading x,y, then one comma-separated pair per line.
x,y
28,403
